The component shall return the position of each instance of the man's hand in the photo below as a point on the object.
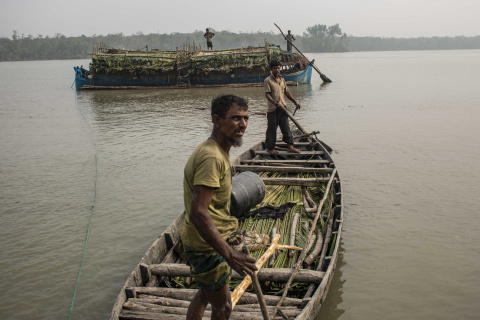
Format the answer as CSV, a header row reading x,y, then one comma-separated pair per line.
x,y
242,263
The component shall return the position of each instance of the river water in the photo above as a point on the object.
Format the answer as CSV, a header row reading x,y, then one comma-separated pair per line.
x,y
404,127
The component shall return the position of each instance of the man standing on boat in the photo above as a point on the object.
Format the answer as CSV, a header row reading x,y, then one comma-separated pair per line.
x,y
290,40
209,35
275,91
207,188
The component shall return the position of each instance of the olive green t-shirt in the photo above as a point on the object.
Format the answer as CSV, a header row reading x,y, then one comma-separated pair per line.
x,y
209,165
277,90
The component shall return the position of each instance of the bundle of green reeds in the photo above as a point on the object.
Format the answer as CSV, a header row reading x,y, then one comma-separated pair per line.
x,y
293,228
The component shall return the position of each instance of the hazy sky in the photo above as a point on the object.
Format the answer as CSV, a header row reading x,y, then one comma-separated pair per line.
x,y
383,18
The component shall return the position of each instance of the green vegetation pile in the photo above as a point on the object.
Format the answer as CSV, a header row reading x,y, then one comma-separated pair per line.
x,y
276,195
192,62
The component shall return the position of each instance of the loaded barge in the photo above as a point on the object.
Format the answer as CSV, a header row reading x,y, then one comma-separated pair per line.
x,y
188,67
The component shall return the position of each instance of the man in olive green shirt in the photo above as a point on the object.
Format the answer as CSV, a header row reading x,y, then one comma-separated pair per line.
x,y
207,225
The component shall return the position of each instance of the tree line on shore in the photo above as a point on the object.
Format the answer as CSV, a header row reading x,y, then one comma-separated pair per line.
x,y
318,38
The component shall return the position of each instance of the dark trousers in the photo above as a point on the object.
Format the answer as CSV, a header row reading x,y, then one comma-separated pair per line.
x,y
277,118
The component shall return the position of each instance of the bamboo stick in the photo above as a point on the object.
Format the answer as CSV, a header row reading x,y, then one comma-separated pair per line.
x,y
293,232
240,289
272,258
316,250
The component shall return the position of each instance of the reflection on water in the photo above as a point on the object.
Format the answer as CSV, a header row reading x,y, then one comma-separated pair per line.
x,y
405,141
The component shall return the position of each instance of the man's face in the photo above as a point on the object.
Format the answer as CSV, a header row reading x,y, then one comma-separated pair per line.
x,y
276,71
233,126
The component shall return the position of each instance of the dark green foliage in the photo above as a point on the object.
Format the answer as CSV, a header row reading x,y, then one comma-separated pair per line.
x,y
318,38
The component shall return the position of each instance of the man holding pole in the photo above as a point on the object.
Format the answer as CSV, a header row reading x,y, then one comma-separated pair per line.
x,y
290,38
208,224
275,92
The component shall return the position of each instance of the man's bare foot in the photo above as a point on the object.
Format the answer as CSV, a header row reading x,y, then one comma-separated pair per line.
x,y
272,151
290,148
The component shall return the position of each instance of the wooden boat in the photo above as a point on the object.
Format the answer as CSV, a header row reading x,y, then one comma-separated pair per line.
x,y
294,283
188,67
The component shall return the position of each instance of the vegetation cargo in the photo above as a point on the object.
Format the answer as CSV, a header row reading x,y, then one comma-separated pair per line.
x,y
188,67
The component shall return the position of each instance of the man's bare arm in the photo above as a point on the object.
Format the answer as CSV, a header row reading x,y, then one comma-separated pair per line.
x,y
291,98
270,98
199,216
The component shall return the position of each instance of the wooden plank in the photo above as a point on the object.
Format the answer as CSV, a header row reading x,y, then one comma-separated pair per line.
x,y
188,294
267,168
253,312
146,315
274,161
291,154
162,301
306,182
296,144
145,272
265,274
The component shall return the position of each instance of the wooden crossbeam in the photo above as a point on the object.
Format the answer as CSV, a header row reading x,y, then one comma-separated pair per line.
x,y
268,274
268,161
306,182
241,168
290,154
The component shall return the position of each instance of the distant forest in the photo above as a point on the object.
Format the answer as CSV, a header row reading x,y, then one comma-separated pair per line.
x,y
318,38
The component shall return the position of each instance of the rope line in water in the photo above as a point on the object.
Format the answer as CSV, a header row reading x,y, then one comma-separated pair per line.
x,y
90,218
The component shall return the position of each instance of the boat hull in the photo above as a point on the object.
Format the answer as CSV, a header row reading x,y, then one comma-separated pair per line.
x,y
103,81
145,282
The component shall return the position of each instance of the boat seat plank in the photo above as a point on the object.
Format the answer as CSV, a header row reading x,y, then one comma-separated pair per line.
x,y
267,168
291,154
276,161
162,301
283,144
306,182
252,312
188,294
265,274
145,315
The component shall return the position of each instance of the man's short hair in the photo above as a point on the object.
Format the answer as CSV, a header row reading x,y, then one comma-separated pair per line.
x,y
222,103
274,63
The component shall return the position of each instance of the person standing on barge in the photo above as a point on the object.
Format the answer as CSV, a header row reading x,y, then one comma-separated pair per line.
x,y
209,35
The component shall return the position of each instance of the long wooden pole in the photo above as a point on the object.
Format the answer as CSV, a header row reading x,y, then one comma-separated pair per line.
x,y
240,289
324,77
258,290
299,126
